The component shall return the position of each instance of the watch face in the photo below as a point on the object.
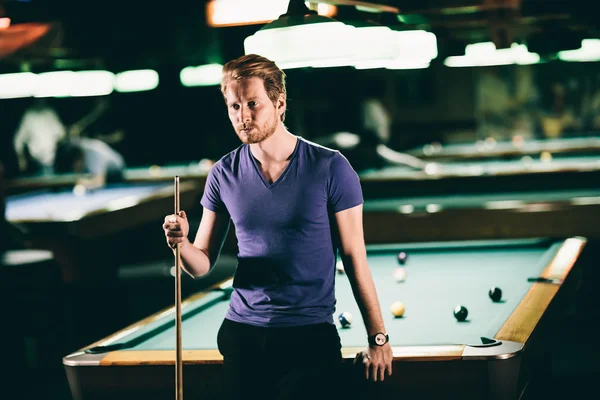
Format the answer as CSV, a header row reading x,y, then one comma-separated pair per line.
x,y
380,339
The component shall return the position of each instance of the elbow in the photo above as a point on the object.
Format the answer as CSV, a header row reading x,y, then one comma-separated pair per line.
x,y
198,273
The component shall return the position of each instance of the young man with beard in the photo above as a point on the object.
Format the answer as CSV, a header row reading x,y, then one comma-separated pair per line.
x,y
294,204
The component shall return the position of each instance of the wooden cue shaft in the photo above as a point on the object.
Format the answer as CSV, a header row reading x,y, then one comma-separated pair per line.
x,y
178,355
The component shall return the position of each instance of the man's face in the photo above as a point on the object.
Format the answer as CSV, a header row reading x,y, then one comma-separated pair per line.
x,y
253,115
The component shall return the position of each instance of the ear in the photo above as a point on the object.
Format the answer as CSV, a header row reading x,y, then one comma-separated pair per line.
x,y
281,104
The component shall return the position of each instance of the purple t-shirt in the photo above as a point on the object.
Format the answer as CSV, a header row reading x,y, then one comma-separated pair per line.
x,y
285,232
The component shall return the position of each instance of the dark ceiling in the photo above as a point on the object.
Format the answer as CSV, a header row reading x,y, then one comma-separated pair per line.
x,y
134,33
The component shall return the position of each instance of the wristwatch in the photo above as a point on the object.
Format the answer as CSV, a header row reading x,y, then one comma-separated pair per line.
x,y
378,339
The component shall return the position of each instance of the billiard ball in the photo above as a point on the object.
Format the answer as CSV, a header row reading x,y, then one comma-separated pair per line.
x,y
495,294
79,190
546,156
155,170
345,319
402,257
397,309
460,313
339,267
400,274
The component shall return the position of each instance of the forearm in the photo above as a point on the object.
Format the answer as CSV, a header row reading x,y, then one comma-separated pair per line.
x,y
194,261
364,291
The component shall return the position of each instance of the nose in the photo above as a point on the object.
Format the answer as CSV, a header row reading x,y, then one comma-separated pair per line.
x,y
245,114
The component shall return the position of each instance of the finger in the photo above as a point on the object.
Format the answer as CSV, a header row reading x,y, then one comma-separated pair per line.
x,y
175,234
367,364
381,374
182,214
172,242
170,229
374,372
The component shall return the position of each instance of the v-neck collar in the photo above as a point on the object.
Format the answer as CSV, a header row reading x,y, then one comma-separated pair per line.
x,y
259,172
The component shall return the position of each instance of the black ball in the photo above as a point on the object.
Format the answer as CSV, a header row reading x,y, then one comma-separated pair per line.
x,y
402,257
495,294
460,313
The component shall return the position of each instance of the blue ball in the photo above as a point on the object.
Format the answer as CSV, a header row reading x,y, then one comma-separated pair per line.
x,y
345,319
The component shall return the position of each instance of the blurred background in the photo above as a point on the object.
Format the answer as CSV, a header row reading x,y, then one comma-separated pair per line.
x,y
458,108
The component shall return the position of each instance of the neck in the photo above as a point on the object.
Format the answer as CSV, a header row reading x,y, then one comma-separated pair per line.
x,y
276,148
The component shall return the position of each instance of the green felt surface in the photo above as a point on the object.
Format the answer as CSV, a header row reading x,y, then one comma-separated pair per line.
x,y
438,278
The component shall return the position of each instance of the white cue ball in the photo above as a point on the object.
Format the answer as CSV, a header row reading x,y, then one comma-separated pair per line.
x,y
400,274
397,309
79,190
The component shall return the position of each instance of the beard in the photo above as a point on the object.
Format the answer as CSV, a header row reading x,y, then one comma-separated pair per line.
x,y
257,134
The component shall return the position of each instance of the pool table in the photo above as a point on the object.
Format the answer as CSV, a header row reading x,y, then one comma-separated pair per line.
x,y
192,171
91,231
457,216
483,176
517,147
433,352
477,176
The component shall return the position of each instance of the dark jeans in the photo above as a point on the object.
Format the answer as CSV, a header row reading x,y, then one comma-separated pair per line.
x,y
281,363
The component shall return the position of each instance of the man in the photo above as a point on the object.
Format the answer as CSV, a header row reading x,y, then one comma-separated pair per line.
x,y
36,139
293,205
89,156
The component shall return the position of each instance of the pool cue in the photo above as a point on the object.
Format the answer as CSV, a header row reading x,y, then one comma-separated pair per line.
x,y
178,355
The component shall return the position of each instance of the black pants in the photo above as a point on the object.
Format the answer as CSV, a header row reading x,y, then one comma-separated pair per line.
x,y
281,363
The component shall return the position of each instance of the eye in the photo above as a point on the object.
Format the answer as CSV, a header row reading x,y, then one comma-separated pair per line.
x,y
252,104
235,106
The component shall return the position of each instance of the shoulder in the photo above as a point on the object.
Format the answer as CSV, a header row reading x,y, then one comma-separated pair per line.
x,y
319,152
331,160
229,162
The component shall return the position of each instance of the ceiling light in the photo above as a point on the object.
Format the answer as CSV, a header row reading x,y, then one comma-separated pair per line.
x,y
589,51
486,54
203,75
302,38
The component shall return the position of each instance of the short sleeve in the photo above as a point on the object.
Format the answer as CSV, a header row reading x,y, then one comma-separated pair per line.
x,y
344,190
211,198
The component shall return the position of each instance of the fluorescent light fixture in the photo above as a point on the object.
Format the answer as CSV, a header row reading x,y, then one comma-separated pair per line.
x,y
415,45
302,38
55,84
136,80
92,83
17,85
408,64
243,12
220,13
589,51
486,54
203,75
371,42
411,50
